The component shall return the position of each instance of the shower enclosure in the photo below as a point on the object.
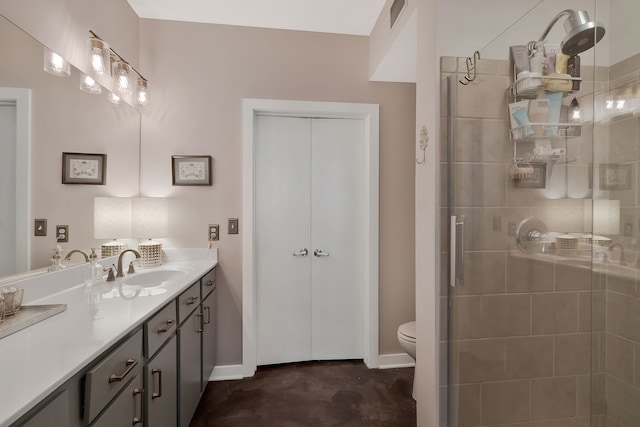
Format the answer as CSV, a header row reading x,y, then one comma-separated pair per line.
x,y
540,228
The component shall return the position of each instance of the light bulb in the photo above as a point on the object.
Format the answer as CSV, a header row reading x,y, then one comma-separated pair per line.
x,y
609,104
142,97
114,98
89,85
121,76
620,104
55,64
97,63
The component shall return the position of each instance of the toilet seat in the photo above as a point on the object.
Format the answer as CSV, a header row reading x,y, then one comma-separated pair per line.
x,y
407,332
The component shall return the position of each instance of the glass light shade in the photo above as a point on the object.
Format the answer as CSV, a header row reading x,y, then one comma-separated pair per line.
x,y
114,98
55,64
142,94
149,217
111,217
99,54
89,85
120,73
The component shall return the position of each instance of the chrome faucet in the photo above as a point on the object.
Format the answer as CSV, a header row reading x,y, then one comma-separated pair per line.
x,y
119,268
623,259
84,254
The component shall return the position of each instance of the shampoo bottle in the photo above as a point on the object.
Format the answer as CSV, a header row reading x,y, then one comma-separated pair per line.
x,y
574,118
538,63
573,69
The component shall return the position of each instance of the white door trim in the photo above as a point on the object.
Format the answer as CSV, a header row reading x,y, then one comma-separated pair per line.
x,y
370,114
22,99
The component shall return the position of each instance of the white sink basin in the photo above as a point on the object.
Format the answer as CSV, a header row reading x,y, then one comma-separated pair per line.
x,y
153,278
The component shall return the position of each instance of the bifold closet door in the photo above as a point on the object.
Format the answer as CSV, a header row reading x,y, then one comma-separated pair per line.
x,y
309,232
337,229
282,224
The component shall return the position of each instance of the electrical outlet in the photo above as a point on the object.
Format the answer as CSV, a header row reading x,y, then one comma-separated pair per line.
x,y
40,227
214,232
233,226
62,233
628,229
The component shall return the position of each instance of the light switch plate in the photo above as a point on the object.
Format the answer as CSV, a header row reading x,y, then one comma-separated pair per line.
x,y
214,232
40,227
233,226
62,233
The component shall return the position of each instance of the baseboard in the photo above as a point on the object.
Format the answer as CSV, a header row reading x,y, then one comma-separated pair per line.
x,y
400,360
227,372
385,361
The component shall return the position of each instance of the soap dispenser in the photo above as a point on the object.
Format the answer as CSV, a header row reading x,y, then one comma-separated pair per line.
x,y
56,260
94,273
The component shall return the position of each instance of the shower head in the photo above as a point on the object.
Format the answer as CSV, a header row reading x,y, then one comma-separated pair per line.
x,y
582,33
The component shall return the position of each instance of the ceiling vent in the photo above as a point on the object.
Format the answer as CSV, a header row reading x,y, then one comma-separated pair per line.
x,y
396,7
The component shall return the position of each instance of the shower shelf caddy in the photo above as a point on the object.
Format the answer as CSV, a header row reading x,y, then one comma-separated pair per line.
x,y
532,89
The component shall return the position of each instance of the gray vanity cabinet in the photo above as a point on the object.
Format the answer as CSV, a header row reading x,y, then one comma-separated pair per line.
x,y
161,379
209,327
126,409
56,409
190,337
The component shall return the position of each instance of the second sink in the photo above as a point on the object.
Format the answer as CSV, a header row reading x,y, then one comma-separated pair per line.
x,y
153,278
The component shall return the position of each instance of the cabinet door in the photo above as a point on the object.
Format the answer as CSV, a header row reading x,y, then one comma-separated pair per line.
x,y
57,409
161,395
209,326
126,409
190,366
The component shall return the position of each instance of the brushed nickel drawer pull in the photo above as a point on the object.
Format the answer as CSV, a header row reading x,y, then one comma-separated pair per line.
x,y
166,328
131,363
211,283
192,300
159,393
140,391
206,322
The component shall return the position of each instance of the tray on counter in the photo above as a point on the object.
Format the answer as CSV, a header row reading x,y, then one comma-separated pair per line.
x,y
27,316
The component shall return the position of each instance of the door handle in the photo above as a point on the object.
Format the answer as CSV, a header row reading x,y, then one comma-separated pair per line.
x,y
319,253
159,392
301,252
456,251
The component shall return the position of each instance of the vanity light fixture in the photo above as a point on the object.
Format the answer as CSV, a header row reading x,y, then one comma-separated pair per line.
x,y
104,61
55,64
89,85
120,73
142,96
114,98
99,53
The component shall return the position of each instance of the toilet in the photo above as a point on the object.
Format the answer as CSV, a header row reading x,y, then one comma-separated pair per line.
x,y
407,340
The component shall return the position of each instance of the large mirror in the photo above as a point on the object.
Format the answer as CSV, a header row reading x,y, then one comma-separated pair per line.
x,y
54,117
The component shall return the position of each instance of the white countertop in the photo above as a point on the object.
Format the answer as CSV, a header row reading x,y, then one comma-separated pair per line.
x,y
37,360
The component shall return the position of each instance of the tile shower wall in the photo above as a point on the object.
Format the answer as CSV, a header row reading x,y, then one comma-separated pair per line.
x,y
621,340
523,349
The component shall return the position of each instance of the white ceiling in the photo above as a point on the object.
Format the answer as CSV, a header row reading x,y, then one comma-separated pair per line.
x,y
328,16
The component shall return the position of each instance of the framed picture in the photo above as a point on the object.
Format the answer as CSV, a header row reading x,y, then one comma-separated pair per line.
x,y
615,177
83,168
537,180
191,170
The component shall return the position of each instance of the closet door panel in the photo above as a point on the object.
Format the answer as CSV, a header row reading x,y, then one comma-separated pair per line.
x,y
337,229
282,228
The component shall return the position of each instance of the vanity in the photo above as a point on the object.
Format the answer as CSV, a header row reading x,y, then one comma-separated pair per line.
x,y
135,351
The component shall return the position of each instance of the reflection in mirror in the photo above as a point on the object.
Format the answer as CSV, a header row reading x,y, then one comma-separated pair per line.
x,y
60,118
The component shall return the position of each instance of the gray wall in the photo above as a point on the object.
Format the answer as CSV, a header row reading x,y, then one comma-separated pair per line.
x,y
199,74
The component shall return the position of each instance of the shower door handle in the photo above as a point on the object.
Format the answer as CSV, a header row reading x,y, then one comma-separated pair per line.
x,y
456,251
301,252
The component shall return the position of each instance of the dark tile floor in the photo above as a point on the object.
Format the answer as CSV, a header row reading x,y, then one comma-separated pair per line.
x,y
310,394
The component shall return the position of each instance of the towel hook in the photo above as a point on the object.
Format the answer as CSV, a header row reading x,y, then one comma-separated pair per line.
x,y
424,142
472,68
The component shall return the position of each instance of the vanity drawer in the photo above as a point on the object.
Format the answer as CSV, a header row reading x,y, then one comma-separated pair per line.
x,y
160,328
208,283
111,374
188,301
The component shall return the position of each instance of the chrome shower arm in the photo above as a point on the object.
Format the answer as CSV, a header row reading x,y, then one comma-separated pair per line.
x,y
534,45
